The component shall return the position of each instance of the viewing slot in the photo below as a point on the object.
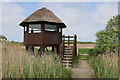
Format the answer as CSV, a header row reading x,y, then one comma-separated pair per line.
x,y
49,27
34,28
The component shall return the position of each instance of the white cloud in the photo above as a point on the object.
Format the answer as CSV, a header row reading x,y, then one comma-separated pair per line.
x,y
12,15
105,12
72,17
82,20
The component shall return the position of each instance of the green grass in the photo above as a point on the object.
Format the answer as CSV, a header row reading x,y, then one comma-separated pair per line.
x,y
84,57
105,66
16,63
83,51
80,42
76,60
81,57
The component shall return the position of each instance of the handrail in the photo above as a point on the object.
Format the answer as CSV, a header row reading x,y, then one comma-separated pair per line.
x,y
62,48
74,48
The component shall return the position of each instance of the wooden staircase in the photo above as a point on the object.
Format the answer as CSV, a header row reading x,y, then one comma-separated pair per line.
x,y
68,50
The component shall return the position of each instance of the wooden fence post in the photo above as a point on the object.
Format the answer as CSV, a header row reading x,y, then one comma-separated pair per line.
x,y
75,38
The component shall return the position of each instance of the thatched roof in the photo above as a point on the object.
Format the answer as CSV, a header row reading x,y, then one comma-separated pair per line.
x,y
42,15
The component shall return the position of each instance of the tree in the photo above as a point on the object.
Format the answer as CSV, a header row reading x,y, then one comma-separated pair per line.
x,y
108,38
3,37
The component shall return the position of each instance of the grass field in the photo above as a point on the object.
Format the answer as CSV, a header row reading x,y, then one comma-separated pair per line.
x,y
83,51
105,66
16,63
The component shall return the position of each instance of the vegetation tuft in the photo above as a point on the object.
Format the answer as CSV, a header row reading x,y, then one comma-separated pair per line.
x,y
16,63
105,66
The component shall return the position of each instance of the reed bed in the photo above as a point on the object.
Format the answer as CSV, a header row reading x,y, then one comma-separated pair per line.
x,y
17,63
105,66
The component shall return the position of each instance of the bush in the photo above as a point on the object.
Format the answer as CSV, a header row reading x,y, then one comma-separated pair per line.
x,y
96,50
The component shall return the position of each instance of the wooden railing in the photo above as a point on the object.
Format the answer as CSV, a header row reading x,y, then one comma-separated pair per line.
x,y
62,47
74,46
74,53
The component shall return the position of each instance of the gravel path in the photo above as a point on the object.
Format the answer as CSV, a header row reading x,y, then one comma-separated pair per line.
x,y
83,70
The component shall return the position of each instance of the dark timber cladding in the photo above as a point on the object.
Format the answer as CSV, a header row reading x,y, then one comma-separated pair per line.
x,y
42,28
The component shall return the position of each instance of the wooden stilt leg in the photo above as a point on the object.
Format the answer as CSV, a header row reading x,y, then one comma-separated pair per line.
x,y
41,50
47,49
53,49
32,49
57,50
26,48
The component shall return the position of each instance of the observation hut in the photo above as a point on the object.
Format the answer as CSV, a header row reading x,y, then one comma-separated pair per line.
x,y
43,28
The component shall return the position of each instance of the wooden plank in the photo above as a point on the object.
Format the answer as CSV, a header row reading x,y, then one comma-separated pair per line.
x,y
69,43
68,49
69,36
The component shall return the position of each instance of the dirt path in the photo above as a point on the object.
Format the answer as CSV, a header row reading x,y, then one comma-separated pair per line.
x,y
83,70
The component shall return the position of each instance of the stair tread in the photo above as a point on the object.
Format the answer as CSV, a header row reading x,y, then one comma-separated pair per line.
x,y
67,55
66,58
68,48
67,51
66,64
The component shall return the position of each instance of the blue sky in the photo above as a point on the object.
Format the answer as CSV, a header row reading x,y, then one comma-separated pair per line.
x,y
81,18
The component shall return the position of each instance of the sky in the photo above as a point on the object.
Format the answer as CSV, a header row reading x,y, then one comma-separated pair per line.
x,y
82,18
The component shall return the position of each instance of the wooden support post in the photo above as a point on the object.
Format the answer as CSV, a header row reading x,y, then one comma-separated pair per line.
x,y
75,38
26,48
68,40
53,49
32,49
41,50
47,49
56,51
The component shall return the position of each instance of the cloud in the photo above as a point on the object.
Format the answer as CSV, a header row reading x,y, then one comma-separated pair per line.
x,y
105,12
12,14
81,18
100,17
